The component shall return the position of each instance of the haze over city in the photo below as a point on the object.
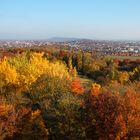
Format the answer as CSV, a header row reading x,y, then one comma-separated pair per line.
x,y
93,19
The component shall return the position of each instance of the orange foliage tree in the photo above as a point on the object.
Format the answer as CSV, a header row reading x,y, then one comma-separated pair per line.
x,y
95,89
76,86
112,116
131,101
105,117
10,119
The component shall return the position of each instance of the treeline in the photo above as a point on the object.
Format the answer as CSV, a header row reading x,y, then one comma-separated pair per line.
x,y
41,96
100,68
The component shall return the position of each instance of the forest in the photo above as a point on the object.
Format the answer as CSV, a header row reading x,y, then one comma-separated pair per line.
x,y
43,97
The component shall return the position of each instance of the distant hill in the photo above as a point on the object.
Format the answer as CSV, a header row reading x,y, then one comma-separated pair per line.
x,y
62,39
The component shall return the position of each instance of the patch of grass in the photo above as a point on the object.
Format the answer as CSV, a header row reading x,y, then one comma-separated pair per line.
x,y
123,57
85,80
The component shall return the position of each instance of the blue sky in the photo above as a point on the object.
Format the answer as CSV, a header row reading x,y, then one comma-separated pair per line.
x,y
95,19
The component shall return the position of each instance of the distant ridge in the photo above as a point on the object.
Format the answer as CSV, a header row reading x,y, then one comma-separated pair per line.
x,y
63,39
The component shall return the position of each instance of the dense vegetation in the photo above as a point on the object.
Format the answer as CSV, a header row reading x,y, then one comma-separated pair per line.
x,y
43,97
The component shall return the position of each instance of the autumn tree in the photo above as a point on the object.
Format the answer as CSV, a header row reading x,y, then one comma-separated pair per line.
x,y
123,77
11,119
95,90
76,86
105,117
34,128
131,114
135,74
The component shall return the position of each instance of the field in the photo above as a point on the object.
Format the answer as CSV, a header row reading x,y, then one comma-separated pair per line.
x,y
85,80
123,57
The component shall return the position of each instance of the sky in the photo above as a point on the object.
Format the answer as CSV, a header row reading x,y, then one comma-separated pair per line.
x,y
93,19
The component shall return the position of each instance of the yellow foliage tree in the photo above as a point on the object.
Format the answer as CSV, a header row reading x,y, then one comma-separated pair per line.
x,y
24,70
123,77
8,74
95,89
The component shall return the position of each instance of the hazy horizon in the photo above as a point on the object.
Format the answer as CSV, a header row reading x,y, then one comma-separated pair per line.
x,y
70,38
90,19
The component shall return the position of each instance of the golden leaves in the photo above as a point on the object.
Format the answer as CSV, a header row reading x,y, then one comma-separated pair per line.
x,y
7,73
24,70
95,89
123,77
